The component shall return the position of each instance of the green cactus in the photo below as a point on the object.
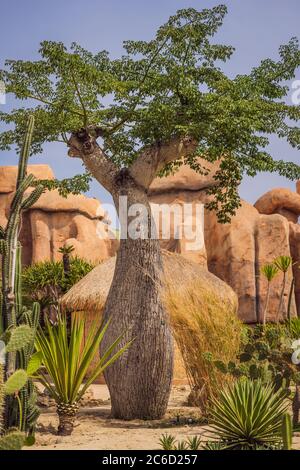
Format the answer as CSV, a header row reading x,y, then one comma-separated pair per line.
x,y
287,431
15,382
20,337
13,440
1,397
15,321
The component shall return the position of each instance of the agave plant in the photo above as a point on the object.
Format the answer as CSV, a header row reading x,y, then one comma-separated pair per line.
x,y
282,263
67,359
168,442
248,415
269,271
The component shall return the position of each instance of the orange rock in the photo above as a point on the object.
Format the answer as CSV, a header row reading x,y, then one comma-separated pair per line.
x,y
54,221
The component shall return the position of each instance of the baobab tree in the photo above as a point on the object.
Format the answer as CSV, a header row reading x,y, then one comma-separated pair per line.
x,y
161,104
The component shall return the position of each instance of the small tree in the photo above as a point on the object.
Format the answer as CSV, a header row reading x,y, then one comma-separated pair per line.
x,y
282,263
161,104
269,271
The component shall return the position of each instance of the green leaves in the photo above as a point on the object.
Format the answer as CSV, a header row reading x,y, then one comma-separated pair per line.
x,y
68,360
47,279
269,271
171,85
34,363
248,415
283,263
168,442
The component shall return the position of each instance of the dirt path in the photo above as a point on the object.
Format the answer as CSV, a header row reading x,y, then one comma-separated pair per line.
x,y
95,430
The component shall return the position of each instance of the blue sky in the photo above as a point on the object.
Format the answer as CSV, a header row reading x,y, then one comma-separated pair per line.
x,y
255,27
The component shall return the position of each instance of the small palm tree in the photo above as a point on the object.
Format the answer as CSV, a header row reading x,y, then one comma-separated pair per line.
x,y
283,263
66,251
67,359
269,271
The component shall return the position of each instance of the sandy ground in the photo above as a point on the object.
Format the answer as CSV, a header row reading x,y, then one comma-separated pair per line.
x,y
95,430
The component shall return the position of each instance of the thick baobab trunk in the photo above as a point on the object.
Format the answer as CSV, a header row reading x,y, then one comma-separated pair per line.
x,y
140,381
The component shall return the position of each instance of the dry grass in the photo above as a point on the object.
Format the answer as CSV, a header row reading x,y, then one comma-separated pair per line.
x,y
203,323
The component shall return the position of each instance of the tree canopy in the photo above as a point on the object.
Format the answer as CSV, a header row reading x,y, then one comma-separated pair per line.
x,y
172,85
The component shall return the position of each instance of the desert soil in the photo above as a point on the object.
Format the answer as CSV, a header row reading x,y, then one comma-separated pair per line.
x,y
95,430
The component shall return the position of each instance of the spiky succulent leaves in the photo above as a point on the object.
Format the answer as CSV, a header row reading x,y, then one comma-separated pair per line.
x,y
15,382
34,363
67,360
283,263
248,414
20,337
167,442
172,85
14,440
42,278
269,271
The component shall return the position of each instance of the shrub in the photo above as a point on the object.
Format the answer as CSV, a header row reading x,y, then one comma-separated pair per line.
x,y
46,282
248,415
266,355
204,326
293,328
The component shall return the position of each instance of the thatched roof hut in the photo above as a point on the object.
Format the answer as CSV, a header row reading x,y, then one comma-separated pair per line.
x,y
90,293
195,288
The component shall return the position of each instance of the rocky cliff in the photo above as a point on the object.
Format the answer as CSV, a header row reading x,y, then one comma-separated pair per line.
x,y
55,221
235,252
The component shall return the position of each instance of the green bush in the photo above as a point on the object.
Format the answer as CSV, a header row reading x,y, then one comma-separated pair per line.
x,y
248,415
46,281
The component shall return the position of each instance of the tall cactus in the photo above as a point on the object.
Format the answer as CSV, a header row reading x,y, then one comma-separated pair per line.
x,y
287,431
12,311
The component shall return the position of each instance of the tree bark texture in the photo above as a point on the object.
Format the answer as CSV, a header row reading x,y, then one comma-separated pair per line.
x,y
140,380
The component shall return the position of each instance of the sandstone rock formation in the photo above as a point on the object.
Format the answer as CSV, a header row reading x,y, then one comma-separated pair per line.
x,y
236,252
55,221
233,252
185,193
287,203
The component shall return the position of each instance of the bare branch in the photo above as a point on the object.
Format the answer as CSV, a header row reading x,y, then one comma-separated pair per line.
x,y
83,145
153,159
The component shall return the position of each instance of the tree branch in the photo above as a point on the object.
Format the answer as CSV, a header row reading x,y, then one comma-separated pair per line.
x,y
153,159
83,145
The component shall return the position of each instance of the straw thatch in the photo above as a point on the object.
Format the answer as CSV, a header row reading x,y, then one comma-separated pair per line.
x,y
202,311
90,293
